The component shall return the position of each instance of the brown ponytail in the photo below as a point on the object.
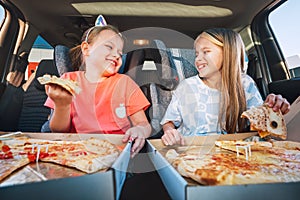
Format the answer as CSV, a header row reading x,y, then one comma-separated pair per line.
x,y
76,57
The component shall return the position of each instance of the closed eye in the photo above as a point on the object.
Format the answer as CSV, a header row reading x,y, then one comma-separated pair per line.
x,y
108,46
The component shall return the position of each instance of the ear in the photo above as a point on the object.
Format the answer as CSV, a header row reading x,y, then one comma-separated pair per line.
x,y
85,48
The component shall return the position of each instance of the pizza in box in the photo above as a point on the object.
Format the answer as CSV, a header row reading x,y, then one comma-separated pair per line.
x,y
89,156
239,162
243,162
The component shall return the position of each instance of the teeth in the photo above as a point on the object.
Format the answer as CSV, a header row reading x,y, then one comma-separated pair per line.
x,y
200,66
113,62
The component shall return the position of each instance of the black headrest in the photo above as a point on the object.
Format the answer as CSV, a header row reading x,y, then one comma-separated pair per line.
x,y
44,67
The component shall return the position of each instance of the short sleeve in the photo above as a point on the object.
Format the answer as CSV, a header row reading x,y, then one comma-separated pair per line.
x,y
136,100
172,113
253,97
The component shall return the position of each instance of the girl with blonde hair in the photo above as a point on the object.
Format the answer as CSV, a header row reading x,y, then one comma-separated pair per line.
x,y
213,100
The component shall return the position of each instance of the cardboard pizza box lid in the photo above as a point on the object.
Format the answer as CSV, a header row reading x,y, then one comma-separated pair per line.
x,y
180,188
206,139
100,185
292,120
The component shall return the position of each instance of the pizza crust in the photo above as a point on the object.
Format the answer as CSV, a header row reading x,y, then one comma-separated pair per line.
x,y
69,85
268,163
10,165
266,121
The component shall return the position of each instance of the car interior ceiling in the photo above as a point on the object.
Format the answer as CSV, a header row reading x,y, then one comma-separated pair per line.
x,y
65,24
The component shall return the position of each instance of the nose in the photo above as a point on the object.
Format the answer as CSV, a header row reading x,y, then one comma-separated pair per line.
x,y
198,57
115,54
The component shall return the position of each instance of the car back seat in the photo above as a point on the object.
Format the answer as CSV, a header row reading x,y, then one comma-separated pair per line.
x,y
34,114
149,66
183,60
10,107
12,96
63,64
156,82
289,89
62,59
254,71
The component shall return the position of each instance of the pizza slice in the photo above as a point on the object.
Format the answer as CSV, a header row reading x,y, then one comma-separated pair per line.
x,y
267,162
8,162
266,121
71,86
232,144
228,169
10,165
88,155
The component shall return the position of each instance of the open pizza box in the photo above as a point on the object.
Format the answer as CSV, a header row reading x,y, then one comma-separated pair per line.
x,y
179,187
292,120
51,181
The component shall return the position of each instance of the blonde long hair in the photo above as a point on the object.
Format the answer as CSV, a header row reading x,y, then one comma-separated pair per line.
x,y
233,100
89,36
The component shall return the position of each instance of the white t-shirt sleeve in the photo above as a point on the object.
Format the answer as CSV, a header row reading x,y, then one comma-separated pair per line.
x,y
172,113
253,96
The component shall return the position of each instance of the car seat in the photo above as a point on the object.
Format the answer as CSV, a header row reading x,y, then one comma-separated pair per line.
x,y
151,69
147,65
62,59
10,107
289,89
63,64
254,71
34,114
183,61
12,96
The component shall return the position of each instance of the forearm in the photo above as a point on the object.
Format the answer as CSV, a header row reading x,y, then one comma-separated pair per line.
x,y
145,127
168,126
61,121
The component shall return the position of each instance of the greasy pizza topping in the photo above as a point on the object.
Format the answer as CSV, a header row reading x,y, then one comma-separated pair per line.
x,y
89,155
268,163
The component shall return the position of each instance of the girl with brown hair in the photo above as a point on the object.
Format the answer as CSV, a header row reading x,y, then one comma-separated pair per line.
x,y
109,102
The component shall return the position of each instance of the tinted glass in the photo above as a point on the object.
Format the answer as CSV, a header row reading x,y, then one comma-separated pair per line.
x,y
1,15
41,49
284,22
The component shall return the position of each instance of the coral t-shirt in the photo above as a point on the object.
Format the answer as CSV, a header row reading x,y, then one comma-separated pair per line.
x,y
104,107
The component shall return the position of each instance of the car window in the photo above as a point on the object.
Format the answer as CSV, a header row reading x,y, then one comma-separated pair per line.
x,y
1,15
287,33
41,49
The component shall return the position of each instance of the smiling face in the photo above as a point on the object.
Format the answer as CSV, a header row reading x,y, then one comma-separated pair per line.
x,y
209,57
104,54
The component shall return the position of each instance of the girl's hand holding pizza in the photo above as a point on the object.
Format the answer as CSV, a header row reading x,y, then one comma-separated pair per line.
x,y
59,95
